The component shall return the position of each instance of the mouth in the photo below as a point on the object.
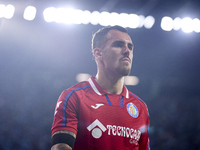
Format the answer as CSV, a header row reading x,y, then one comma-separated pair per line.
x,y
126,59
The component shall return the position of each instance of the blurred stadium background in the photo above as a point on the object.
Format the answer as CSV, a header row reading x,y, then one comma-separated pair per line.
x,y
41,55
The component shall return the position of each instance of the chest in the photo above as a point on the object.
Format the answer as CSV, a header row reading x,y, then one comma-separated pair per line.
x,y
111,110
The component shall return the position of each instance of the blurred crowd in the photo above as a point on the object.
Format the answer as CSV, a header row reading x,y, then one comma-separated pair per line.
x,y
26,118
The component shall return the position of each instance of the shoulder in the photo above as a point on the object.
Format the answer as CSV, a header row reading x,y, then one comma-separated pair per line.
x,y
77,87
144,105
77,90
70,97
137,97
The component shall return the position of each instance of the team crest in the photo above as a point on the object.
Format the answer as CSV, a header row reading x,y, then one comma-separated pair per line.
x,y
132,110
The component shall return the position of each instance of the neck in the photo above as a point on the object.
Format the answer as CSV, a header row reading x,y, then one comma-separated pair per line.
x,y
110,84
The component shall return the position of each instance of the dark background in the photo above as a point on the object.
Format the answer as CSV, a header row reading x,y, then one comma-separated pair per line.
x,y
38,60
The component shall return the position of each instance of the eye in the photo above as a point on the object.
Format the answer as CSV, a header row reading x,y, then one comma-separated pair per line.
x,y
130,46
118,44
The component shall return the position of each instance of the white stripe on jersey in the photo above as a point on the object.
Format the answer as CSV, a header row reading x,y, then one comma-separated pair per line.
x,y
93,86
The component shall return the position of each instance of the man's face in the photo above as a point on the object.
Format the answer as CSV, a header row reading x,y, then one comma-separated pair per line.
x,y
117,53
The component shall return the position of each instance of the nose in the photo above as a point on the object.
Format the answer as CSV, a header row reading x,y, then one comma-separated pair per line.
x,y
126,50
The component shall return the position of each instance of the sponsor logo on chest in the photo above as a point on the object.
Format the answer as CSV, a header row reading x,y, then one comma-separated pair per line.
x,y
97,129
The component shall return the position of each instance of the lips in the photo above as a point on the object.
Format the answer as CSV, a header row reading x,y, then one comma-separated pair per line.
x,y
126,59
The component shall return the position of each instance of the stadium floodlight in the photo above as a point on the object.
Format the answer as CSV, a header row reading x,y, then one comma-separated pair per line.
x,y
61,16
196,25
29,13
67,15
149,22
75,16
104,18
2,10
134,21
114,19
167,23
49,14
187,25
123,19
141,21
86,17
78,16
177,23
7,11
94,20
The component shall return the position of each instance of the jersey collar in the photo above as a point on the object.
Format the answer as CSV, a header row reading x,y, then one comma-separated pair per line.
x,y
100,91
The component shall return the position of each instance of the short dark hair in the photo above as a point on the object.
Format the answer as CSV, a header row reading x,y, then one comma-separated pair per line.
x,y
98,38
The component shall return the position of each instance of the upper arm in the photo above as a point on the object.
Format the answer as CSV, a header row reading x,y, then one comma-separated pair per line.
x,y
66,113
65,122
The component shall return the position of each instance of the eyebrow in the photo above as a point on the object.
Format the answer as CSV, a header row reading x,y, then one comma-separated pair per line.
x,y
122,42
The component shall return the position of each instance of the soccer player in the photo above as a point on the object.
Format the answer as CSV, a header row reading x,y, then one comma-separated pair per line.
x,y
101,114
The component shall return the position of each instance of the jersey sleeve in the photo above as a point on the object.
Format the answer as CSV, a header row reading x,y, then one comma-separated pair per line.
x,y
66,114
144,143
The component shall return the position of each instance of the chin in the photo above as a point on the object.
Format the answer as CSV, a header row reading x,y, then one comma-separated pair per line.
x,y
125,72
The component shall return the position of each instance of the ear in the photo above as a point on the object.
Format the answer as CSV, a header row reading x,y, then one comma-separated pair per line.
x,y
97,52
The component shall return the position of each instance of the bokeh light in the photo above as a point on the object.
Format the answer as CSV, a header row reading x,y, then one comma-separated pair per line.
x,y
30,13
